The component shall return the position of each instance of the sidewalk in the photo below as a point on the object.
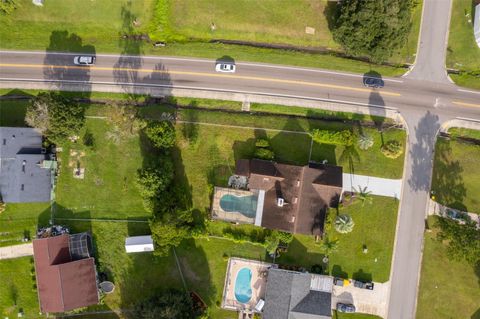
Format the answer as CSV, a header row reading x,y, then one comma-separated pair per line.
x,y
16,251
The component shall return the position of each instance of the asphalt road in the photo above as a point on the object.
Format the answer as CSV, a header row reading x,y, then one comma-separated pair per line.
x,y
423,104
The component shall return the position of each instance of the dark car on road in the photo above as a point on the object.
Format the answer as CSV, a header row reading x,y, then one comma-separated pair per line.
x,y
364,285
345,307
373,82
84,60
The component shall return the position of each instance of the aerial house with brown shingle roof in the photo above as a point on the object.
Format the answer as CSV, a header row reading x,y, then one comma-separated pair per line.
x,y
290,198
66,278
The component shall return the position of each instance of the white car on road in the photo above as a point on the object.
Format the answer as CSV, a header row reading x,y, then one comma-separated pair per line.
x,y
84,60
225,67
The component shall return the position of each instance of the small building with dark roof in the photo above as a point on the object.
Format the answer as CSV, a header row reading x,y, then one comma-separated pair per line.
x,y
65,280
26,171
296,295
296,197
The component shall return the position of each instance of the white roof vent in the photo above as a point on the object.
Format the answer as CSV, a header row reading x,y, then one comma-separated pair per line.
x,y
280,202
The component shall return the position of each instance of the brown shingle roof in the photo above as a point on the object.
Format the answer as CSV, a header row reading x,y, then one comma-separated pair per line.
x,y
307,192
63,284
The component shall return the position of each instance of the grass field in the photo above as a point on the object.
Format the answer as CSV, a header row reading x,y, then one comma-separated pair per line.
x,y
349,261
17,291
108,166
443,279
247,20
98,26
455,181
463,52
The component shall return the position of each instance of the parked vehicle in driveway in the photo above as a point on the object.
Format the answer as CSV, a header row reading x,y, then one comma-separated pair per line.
x,y
225,67
373,82
345,307
363,284
458,216
84,60
337,281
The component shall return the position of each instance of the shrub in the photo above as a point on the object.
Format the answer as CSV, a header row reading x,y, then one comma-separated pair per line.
x,y
344,137
344,224
262,143
264,153
161,134
392,149
153,180
365,142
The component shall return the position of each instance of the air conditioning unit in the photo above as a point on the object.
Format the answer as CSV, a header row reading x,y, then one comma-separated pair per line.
x,y
280,202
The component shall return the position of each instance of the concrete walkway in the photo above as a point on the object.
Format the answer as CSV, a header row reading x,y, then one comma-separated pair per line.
x,y
16,251
375,185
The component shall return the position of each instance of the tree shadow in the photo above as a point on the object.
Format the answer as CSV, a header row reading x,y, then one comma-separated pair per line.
x,y
421,152
337,271
59,69
130,65
362,276
331,12
377,111
447,181
299,256
189,127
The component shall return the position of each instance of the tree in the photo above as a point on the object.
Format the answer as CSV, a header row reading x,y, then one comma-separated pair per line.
x,y
152,181
7,6
162,134
373,28
169,228
55,116
363,195
344,224
329,246
170,304
264,153
463,241
365,141
271,243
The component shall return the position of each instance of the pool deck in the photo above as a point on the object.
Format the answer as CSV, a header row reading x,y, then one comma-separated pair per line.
x,y
258,283
219,213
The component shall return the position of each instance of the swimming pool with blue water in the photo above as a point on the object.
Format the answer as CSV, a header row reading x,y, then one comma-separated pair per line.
x,y
243,285
245,205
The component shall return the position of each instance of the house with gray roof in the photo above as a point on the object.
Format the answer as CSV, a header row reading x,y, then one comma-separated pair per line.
x,y
26,170
296,295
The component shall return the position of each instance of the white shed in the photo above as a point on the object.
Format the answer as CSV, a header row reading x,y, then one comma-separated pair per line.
x,y
476,24
138,244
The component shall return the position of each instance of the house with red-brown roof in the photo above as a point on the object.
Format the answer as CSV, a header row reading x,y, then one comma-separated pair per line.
x,y
66,278
284,197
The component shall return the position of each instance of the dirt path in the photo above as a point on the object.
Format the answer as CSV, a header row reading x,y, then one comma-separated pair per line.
x,y
16,251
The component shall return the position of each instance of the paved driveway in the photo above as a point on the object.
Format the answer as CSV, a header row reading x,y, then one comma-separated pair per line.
x,y
375,185
16,251
366,301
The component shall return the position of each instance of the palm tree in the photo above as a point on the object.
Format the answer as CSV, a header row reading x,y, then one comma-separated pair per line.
x,y
363,195
365,141
328,246
344,224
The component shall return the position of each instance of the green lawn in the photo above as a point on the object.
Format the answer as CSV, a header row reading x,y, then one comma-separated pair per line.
x,y
455,181
448,288
108,189
20,220
349,261
98,26
247,20
463,52
17,290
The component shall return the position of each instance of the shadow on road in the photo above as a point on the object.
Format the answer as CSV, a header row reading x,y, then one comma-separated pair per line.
x,y
129,68
421,151
59,68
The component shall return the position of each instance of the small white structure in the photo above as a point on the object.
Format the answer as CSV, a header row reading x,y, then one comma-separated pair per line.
x,y
138,244
476,24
